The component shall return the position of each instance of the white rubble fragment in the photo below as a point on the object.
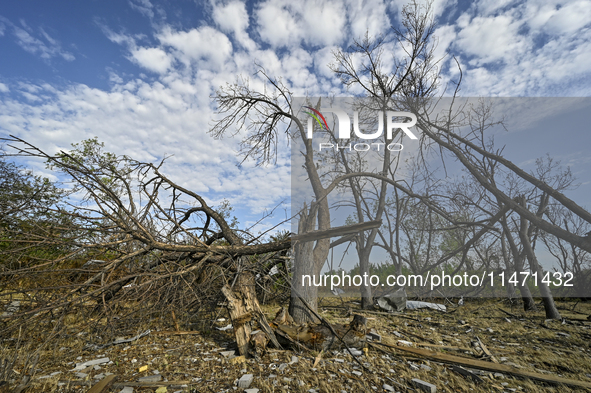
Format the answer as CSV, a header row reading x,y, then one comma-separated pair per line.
x,y
82,366
127,389
388,388
227,327
294,360
424,386
245,381
151,378
415,304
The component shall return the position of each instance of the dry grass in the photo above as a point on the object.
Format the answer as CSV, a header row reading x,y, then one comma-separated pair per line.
x,y
529,342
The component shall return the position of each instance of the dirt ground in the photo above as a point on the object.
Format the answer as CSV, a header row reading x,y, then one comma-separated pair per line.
x,y
188,360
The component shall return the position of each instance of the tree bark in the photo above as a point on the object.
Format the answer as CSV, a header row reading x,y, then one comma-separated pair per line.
x,y
549,305
245,311
526,297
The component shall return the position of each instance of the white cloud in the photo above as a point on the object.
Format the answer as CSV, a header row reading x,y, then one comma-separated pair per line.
x,y
206,46
566,18
143,6
45,46
4,88
490,39
282,23
153,59
233,18
367,17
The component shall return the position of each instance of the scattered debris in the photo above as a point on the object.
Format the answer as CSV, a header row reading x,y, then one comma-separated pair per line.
x,y
103,385
151,378
424,386
395,301
119,341
82,366
483,365
245,381
467,373
415,304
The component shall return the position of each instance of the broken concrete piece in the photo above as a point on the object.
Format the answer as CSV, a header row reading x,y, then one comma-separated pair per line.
x,y
82,366
388,388
251,390
373,336
395,301
467,373
151,378
424,386
127,389
227,354
245,381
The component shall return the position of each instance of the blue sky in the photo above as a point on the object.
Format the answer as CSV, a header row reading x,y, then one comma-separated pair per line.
x,y
139,74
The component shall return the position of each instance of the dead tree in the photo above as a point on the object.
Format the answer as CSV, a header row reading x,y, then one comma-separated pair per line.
x,y
413,75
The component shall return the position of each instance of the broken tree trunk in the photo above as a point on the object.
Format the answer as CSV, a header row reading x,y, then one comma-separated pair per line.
x,y
245,311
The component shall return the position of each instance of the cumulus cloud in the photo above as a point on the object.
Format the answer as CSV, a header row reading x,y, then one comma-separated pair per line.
x,y
233,18
206,46
491,39
153,59
282,23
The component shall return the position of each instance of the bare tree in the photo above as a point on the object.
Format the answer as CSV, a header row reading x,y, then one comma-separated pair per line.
x,y
386,78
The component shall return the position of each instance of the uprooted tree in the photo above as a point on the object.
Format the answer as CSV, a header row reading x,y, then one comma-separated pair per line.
x,y
127,231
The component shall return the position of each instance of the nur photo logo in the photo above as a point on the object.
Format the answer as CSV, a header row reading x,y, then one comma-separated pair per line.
x,y
394,121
